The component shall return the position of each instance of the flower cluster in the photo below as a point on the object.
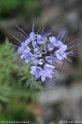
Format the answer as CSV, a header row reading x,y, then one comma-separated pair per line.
x,y
43,51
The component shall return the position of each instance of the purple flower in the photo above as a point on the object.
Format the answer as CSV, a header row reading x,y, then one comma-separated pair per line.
x,y
41,39
36,71
44,53
63,47
47,71
60,54
50,59
23,47
54,43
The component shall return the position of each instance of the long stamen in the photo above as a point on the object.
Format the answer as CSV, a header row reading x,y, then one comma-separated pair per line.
x,y
17,43
49,32
38,30
22,31
68,38
17,39
64,40
61,34
71,52
52,82
34,81
69,60
42,31
73,46
71,42
45,33
22,35
30,80
11,44
72,55
48,82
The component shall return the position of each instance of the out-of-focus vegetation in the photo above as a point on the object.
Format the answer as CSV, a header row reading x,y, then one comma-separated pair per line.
x,y
16,99
24,8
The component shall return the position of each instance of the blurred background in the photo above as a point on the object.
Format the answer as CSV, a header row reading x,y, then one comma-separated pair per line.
x,y
39,104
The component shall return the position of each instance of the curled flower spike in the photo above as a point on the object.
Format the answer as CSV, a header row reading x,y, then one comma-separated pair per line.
x,y
44,51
